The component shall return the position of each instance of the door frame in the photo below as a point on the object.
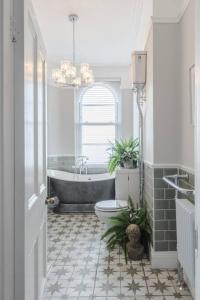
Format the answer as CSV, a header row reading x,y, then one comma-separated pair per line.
x,y
197,149
22,12
12,262
6,152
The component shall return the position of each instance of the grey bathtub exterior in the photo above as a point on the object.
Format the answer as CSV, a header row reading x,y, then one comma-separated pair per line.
x,y
80,196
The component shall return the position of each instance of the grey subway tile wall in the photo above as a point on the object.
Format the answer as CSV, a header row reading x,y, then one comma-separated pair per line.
x,y
160,200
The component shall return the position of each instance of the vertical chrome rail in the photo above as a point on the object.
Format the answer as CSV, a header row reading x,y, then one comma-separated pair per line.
x,y
139,94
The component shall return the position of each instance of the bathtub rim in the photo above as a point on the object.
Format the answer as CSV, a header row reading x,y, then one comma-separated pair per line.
x,y
67,176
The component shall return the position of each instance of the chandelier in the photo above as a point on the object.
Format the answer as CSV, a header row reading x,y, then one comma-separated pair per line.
x,y
70,74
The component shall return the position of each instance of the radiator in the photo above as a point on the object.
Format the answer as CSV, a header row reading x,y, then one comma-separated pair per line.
x,y
186,237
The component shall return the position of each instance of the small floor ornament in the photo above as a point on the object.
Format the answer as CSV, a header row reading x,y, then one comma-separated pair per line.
x,y
135,249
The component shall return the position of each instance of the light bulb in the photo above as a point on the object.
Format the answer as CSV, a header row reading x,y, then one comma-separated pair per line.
x,y
71,71
65,65
56,74
88,74
61,80
84,68
89,80
77,81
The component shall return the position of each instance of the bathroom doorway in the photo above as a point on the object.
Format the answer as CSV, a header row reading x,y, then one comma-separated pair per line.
x,y
197,150
112,278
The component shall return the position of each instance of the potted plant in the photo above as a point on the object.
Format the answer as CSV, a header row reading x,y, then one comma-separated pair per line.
x,y
123,153
117,233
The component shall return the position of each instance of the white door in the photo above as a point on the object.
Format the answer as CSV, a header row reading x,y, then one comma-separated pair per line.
x,y
197,156
30,160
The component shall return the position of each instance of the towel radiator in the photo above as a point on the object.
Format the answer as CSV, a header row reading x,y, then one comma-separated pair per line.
x,y
185,220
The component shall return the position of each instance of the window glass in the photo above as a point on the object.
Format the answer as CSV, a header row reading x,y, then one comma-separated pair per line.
x,y
97,122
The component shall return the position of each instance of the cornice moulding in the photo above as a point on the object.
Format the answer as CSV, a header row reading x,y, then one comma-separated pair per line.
x,y
172,20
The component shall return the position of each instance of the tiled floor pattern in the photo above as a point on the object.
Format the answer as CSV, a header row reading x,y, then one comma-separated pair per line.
x,y
81,268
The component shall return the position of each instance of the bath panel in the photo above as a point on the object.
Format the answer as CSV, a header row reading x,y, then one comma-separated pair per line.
x,y
80,193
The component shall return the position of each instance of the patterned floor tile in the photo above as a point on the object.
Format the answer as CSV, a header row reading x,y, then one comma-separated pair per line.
x,y
81,267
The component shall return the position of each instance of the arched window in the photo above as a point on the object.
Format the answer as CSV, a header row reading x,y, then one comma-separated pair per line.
x,y
98,121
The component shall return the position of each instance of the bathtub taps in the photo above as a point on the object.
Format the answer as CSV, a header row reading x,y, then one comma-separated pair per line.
x,y
81,164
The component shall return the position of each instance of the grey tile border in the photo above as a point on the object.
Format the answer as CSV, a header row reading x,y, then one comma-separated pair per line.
x,y
170,171
158,173
170,214
161,246
160,200
192,179
172,204
172,225
170,235
160,183
159,193
172,246
159,235
159,214
169,193
161,204
161,225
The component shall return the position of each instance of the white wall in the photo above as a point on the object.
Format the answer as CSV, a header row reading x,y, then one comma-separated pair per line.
x,y
166,93
126,113
121,73
169,138
148,107
7,151
60,118
61,114
187,44
169,10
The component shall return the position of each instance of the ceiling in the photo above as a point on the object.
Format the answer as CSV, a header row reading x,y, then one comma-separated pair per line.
x,y
106,33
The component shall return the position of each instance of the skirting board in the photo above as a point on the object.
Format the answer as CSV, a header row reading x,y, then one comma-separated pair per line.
x,y
163,259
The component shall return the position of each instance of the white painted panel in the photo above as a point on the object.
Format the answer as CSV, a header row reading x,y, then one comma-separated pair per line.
x,y
121,186
197,152
30,156
40,78
40,256
133,186
29,114
44,251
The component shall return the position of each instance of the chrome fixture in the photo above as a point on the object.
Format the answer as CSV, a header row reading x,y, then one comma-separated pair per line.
x,y
172,180
69,74
139,67
81,165
139,99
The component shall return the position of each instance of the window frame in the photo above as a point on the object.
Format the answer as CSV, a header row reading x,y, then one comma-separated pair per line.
x,y
114,87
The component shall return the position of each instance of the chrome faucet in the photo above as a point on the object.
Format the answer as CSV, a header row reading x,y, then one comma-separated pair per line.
x,y
81,164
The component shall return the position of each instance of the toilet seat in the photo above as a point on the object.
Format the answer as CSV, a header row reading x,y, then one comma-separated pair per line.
x,y
111,205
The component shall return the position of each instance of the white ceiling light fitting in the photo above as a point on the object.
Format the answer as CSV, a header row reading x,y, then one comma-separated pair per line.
x,y
69,74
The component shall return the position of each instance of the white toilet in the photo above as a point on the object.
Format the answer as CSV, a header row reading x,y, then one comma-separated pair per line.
x,y
109,208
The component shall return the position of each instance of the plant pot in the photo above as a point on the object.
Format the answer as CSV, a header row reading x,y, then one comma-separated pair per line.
x,y
128,164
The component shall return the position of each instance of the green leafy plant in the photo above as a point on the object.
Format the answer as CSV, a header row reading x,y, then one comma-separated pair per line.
x,y
116,233
123,151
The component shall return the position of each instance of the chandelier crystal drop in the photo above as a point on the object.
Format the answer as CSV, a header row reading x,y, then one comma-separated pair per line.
x,y
69,74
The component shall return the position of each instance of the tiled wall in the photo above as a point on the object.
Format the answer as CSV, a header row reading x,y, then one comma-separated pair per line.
x,y
66,163
160,199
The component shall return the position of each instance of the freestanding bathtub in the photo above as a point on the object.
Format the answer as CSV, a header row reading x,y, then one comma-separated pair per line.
x,y
79,193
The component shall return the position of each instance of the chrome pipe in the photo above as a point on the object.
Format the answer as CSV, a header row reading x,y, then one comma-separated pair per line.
x,y
139,92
